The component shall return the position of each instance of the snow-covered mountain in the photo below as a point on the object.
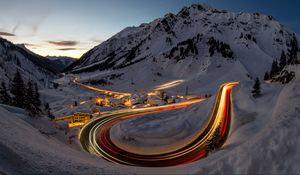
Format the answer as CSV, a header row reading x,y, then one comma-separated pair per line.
x,y
203,47
61,62
31,65
198,42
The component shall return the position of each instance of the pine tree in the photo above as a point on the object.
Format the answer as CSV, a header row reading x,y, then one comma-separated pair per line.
x,y
256,92
213,143
29,101
266,77
28,96
275,69
47,106
282,61
4,96
18,90
48,111
293,51
36,98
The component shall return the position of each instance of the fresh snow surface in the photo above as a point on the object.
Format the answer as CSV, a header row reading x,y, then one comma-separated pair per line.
x,y
162,132
264,138
26,150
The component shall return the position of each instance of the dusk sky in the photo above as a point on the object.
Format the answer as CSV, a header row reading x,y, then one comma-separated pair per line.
x,y
72,27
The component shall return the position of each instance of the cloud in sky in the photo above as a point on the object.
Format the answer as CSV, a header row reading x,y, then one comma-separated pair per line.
x,y
63,43
16,27
96,40
49,23
26,28
6,34
68,48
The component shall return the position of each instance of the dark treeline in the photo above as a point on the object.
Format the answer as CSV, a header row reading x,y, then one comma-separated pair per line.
x,y
22,95
278,71
289,58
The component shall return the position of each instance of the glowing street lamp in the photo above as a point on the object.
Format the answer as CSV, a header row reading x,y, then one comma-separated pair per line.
x,y
98,101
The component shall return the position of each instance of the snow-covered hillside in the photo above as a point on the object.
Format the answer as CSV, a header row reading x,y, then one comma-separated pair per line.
x,y
264,134
196,43
25,149
264,138
61,62
30,65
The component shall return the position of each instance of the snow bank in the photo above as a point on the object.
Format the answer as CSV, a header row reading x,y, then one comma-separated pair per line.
x,y
161,132
264,135
264,139
24,150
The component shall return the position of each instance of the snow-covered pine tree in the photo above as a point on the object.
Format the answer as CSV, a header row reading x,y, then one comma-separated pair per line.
x,y
18,90
256,92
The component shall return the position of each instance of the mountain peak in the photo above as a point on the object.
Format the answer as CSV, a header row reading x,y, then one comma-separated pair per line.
x,y
201,7
197,32
186,11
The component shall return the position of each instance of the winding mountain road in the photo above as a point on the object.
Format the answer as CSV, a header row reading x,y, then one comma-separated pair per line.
x,y
95,135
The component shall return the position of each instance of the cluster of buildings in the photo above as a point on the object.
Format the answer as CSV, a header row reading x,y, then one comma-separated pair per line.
x,y
112,101
155,98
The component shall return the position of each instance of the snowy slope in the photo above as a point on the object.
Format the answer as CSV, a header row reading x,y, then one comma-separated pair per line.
x,y
161,132
25,150
180,47
30,65
264,135
264,139
61,62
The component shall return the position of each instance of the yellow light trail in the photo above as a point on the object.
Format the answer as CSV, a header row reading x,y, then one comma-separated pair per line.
x,y
83,102
108,92
169,85
94,136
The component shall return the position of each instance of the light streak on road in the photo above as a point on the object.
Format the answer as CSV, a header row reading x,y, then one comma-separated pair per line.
x,y
103,91
169,85
83,102
95,135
